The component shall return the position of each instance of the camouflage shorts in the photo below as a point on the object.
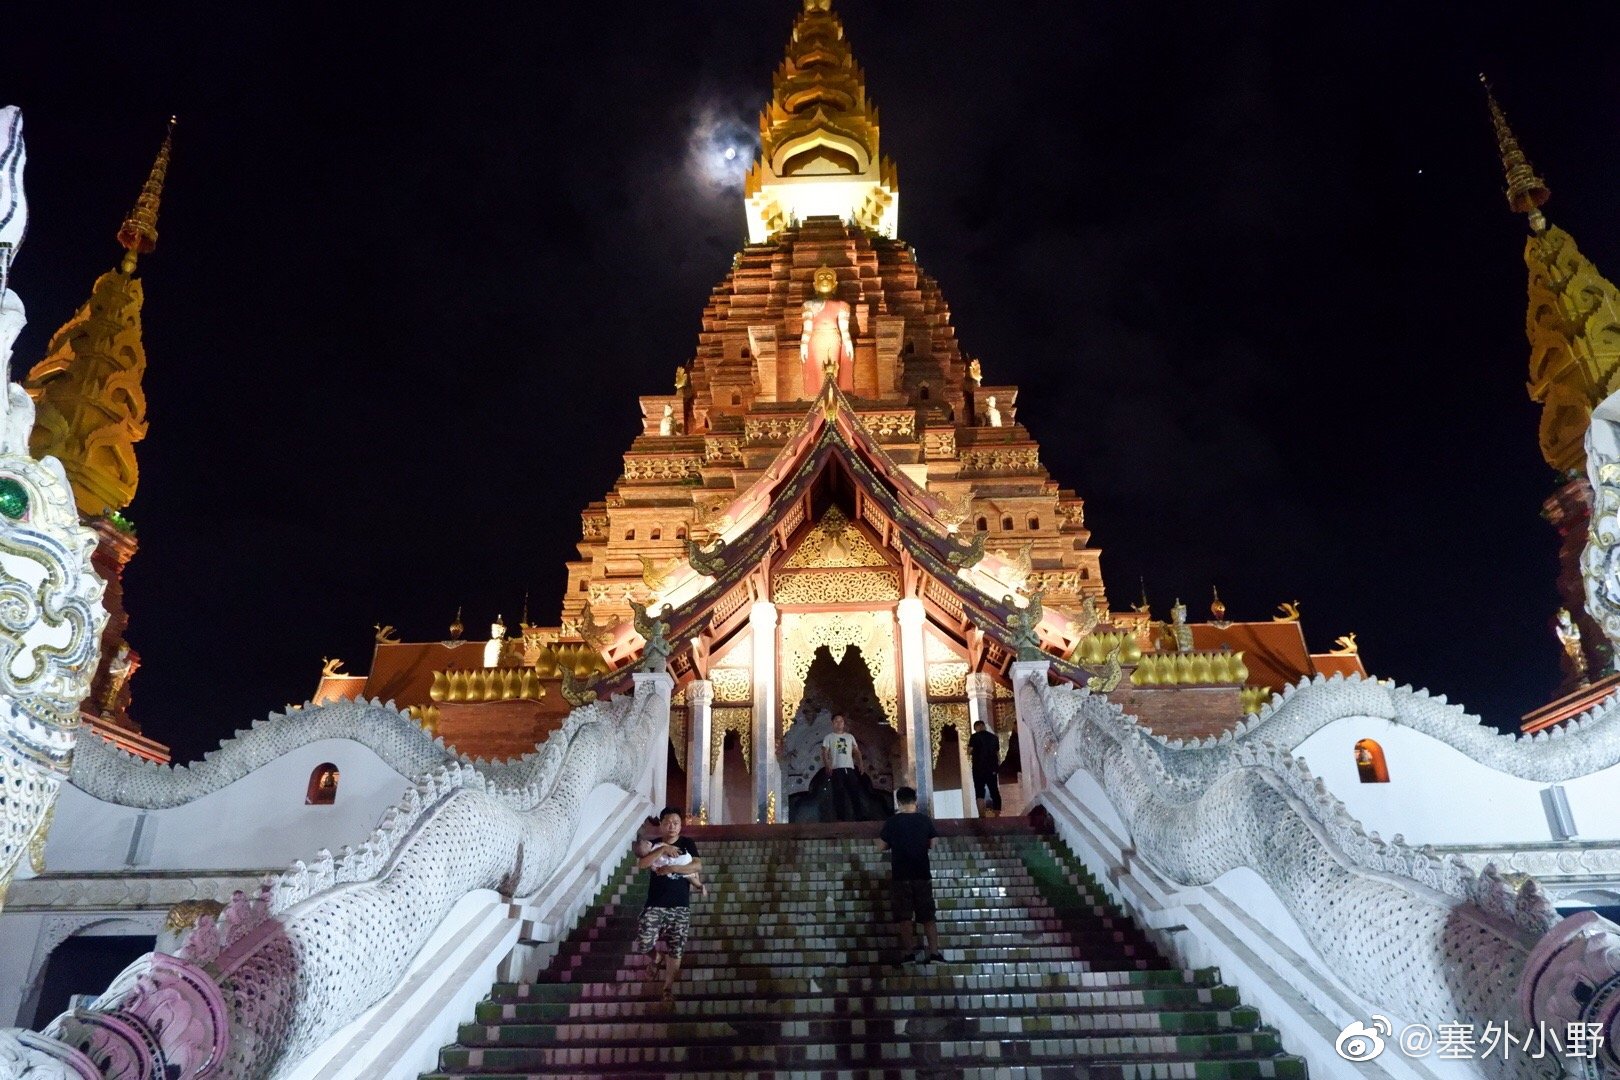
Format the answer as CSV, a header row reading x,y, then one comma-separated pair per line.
x,y
673,924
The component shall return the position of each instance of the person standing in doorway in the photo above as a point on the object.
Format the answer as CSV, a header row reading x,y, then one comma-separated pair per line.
x,y
841,757
984,752
667,916
908,836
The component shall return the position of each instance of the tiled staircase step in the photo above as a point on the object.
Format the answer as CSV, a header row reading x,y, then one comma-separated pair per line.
x,y
1171,999
673,1029
1280,1067
908,982
928,1041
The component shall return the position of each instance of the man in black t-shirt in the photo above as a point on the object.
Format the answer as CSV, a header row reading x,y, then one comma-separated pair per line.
x,y
907,836
667,916
984,751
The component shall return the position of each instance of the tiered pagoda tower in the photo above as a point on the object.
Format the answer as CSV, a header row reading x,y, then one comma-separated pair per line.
x,y
833,510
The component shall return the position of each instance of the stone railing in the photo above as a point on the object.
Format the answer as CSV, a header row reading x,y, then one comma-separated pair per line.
x,y
255,991
1417,934
1585,745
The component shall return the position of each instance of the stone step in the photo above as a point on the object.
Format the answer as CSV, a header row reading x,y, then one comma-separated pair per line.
x,y
909,981
729,953
882,936
1280,1067
673,1029
1175,998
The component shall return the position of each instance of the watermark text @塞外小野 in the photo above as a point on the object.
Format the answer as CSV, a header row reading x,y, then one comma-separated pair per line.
x,y
1468,1042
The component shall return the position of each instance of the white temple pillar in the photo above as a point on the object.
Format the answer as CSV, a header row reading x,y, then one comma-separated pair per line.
x,y
699,723
717,784
919,750
981,695
964,769
655,781
1032,763
762,620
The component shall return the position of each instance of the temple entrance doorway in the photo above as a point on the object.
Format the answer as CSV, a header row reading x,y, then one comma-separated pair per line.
x,y
845,685
733,781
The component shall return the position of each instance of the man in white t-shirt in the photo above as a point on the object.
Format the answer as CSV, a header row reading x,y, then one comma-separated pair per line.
x,y
841,757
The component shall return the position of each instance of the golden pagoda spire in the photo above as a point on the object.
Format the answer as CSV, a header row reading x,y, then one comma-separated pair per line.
x,y
139,234
819,138
91,409
1526,192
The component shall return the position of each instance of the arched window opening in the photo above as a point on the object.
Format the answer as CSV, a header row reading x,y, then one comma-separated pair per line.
x,y
745,353
983,524
680,532
1370,765
584,586
922,392
1006,523
657,534
1034,522
629,534
911,347
323,785
1085,573
736,397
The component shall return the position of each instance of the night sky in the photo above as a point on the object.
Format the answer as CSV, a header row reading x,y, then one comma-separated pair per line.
x,y
1249,263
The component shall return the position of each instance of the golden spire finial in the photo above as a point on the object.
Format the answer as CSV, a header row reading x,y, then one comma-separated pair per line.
x,y
1526,192
818,5
139,233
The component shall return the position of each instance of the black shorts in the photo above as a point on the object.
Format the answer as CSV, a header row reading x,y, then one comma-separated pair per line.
x,y
913,899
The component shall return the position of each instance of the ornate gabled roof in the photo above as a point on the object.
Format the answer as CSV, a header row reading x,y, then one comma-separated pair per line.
x,y
831,459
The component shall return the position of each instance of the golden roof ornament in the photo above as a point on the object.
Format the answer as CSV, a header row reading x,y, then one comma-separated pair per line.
x,y
457,628
90,407
139,233
1217,608
819,138
1526,192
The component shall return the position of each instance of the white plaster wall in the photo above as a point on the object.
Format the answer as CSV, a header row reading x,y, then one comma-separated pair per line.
x,y
258,821
1438,795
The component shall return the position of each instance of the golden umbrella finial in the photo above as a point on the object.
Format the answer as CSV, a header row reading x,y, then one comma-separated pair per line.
x,y
139,233
1526,192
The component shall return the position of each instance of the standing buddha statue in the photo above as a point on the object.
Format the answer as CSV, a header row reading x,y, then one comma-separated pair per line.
x,y
826,349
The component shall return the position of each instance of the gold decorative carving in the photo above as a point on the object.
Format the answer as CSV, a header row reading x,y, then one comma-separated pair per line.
x,y
870,631
1093,649
1254,698
1105,677
739,720
845,587
722,450
965,556
87,390
1346,645
833,543
665,468
1573,325
890,424
732,684
947,678
770,429
939,443
184,915
593,526
1207,668
487,684
1001,461
655,575
709,561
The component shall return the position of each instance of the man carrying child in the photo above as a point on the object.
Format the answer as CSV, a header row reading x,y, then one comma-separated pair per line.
x,y
907,836
667,916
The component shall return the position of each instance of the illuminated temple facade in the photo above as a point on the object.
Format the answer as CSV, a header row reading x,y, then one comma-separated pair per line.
x,y
1221,854
897,524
